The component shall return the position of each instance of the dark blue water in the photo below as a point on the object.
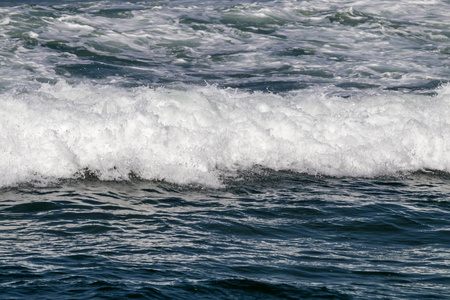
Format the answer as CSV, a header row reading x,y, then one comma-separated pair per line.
x,y
224,150
270,236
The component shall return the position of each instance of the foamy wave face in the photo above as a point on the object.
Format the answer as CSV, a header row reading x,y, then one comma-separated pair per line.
x,y
197,134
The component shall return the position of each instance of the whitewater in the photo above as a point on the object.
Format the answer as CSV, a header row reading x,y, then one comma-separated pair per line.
x,y
192,92
196,135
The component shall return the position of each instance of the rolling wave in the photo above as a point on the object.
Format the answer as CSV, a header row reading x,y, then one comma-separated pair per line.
x,y
192,134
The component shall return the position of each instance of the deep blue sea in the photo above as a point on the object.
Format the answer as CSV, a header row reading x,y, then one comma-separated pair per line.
x,y
224,149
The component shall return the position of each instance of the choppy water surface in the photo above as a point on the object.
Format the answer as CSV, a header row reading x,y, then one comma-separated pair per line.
x,y
224,150
268,45
274,235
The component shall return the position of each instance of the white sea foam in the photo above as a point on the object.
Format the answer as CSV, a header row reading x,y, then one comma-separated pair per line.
x,y
85,121
401,45
196,134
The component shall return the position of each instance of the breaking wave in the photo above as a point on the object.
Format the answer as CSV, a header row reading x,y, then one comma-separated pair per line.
x,y
192,134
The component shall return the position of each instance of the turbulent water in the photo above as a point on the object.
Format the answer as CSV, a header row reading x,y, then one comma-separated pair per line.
x,y
224,150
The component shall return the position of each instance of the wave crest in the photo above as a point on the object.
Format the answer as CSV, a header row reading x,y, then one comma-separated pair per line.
x,y
196,134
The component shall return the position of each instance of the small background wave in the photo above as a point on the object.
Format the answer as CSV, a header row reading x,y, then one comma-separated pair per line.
x,y
276,46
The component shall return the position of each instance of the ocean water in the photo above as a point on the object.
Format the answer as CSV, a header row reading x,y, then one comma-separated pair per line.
x,y
224,149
